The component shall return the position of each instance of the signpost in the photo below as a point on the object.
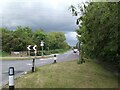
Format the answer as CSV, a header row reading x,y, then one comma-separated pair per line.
x,y
30,47
35,50
42,44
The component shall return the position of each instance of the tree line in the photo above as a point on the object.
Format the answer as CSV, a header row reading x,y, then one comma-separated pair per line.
x,y
19,39
98,26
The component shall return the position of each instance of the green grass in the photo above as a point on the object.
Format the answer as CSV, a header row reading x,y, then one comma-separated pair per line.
x,y
56,51
69,75
24,58
3,54
6,56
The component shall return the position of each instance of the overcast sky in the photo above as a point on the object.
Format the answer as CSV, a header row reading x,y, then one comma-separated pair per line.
x,y
50,15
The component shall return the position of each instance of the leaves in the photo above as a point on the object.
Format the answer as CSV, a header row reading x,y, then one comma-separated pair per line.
x,y
19,39
99,30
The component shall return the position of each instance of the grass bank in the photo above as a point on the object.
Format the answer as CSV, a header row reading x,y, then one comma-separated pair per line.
x,y
69,75
24,58
6,56
3,54
56,51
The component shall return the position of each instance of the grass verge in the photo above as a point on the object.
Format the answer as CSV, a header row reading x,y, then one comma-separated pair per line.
x,y
24,58
8,57
3,54
69,75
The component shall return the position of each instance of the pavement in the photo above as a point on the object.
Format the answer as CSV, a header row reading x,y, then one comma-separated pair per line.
x,y
23,66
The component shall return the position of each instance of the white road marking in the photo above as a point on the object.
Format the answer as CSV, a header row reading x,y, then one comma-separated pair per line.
x,y
77,53
43,62
47,59
54,54
25,72
29,64
5,72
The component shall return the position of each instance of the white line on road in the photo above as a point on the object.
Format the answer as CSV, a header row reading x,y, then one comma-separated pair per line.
x,y
43,62
29,64
47,59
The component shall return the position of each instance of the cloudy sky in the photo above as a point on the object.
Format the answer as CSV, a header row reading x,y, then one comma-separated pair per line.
x,y
50,15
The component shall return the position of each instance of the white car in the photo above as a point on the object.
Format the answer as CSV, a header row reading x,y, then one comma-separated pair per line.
x,y
75,50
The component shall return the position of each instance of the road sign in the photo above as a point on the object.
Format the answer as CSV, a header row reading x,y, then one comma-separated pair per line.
x,y
42,43
30,47
35,47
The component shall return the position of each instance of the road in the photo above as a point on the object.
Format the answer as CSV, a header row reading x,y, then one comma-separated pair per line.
x,y
22,66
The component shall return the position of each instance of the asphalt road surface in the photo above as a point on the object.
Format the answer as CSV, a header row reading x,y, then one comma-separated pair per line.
x,y
22,66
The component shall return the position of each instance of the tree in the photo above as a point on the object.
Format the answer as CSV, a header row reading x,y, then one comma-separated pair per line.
x,y
16,40
56,40
22,37
38,36
98,27
6,39
19,39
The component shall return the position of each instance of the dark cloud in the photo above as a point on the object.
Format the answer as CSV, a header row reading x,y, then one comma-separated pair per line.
x,y
50,16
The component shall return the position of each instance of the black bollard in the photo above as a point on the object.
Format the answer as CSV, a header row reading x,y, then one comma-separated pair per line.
x,y
33,63
55,58
11,78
